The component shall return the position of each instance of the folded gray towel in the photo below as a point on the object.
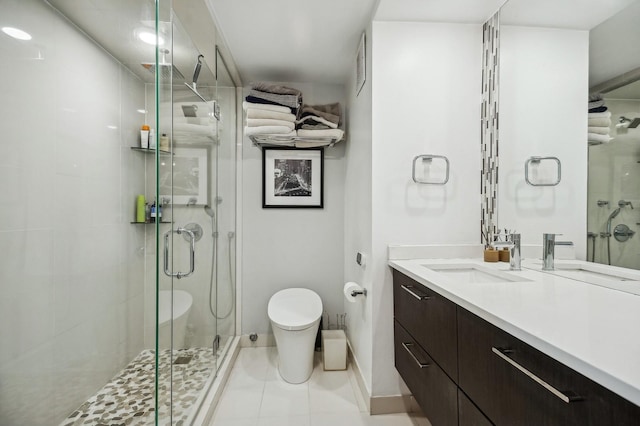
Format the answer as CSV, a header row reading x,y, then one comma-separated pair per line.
x,y
276,89
596,104
292,101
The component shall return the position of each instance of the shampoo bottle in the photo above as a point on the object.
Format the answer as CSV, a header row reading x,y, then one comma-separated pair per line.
x,y
152,139
144,137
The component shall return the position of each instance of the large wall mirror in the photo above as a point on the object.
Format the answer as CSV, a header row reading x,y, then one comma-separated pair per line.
x,y
569,159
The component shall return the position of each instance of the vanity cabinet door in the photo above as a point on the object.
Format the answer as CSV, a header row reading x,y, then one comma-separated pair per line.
x,y
504,377
429,318
431,387
469,414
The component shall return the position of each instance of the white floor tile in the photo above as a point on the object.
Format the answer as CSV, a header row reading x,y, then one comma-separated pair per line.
x,y
284,399
235,422
237,403
256,395
284,421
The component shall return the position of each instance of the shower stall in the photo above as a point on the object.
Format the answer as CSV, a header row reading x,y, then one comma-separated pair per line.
x,y
614,183
117,277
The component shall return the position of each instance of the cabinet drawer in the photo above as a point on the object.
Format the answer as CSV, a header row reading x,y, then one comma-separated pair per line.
x,y
469,414
431,387
515,384
429,318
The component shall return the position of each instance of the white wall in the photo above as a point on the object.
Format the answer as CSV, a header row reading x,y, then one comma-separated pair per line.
x,y
614,175
71,270
543,96
426,100
292,247
358,214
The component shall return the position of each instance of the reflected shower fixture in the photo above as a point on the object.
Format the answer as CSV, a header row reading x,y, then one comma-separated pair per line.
x,y
196,73
624,122
167,70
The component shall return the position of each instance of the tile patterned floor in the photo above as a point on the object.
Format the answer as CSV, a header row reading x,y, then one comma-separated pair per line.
x,y
128,399
256,395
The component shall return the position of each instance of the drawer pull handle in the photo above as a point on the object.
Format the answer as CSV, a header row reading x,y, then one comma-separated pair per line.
x,y
566,396
408,347
409,289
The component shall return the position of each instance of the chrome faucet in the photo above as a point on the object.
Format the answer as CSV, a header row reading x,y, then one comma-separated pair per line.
x,y
549,244
513,244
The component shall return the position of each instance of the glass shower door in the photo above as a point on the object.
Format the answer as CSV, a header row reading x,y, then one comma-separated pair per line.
x,y
187,160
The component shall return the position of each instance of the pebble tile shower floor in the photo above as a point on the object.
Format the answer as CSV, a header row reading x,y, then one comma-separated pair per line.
x,y
128,399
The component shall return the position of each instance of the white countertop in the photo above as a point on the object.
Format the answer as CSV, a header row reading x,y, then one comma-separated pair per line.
x,y
592,329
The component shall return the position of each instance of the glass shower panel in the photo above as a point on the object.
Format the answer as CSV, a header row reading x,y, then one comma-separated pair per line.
x,y
189,242
225,301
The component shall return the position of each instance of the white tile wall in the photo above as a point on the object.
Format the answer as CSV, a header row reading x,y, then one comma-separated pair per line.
x,y
71,268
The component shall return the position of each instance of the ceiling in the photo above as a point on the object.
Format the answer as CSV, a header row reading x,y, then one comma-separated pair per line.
x,y
302,41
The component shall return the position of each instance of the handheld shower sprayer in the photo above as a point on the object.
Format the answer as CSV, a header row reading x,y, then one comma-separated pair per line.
x,y
196,70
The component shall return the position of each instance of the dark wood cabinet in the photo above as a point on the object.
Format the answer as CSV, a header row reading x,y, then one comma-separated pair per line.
x,y
429,318
469,414
516,384
491,376
434,391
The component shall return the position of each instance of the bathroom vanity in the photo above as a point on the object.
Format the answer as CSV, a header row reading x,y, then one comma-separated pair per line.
x,y
478,344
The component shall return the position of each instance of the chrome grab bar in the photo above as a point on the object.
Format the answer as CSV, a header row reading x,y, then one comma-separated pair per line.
x,y
192,253
408,289
408,347
502,353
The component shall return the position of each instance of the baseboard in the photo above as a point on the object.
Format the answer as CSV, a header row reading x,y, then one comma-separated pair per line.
x,y
380,404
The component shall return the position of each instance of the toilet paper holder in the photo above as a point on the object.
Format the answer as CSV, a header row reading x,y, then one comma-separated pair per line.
x,y
355,293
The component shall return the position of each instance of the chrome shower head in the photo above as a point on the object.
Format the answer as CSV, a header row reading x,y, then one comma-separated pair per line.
x,y
167,70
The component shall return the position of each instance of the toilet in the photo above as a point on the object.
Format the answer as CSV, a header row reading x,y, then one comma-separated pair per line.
x,y
295,315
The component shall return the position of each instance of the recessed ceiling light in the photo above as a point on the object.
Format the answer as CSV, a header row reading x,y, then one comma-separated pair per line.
x,y
149,37
16,33
142,111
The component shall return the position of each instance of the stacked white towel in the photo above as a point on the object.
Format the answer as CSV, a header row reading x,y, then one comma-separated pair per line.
x,y
266,119
599,122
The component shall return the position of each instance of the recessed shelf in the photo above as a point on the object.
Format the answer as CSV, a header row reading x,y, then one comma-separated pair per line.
x,y
150,150
147,223
292,141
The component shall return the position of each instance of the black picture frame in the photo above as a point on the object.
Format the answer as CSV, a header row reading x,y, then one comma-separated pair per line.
x,y
292,178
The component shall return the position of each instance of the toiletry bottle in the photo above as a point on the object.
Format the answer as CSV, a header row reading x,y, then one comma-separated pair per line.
x,y
140,213
164,142
152,139
147,213
159,212
153,212
144,137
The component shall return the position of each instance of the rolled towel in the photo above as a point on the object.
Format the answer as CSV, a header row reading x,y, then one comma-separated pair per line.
x,y
255,122
598,130
596,104
594,137
599,122
263,113
268,107
606,114
269,130
328,133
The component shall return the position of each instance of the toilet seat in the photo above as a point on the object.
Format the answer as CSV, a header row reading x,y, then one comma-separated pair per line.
x,y
294,308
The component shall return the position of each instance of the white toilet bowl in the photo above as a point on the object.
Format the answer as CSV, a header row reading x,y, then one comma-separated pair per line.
x,y
295,315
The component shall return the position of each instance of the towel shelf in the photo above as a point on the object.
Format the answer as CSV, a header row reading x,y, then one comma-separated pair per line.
x,y
292,141
538,160
150,150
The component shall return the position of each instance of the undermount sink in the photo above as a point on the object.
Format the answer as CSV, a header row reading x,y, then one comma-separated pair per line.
x,y
472,273
596,274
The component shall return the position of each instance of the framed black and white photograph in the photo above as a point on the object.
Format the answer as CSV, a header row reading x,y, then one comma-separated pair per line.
x,y
190,176
361,65
292,177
